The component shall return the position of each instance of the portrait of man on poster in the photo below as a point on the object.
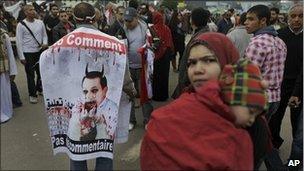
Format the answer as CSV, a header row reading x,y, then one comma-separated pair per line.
x,y
94,116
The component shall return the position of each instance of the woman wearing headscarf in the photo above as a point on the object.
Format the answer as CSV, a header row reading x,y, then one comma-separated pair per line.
x,y
196,131
199,20
162,58
178,35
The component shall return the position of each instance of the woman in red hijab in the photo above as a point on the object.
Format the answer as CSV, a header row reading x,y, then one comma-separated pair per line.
x,y
162,58
196,132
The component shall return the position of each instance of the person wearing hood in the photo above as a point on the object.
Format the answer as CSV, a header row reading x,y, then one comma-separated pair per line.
x,y
266,50
194,131
269,52
162,58
199,19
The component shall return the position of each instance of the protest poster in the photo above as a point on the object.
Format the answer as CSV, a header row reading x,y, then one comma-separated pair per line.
x,y
82,77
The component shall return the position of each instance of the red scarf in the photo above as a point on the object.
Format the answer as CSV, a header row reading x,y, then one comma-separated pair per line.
x,y
220,44
164,33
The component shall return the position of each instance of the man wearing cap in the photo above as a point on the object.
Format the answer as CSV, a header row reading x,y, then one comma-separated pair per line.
x,y
135,30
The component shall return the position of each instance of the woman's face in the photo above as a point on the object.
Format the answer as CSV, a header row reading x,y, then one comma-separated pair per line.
x,y
202,66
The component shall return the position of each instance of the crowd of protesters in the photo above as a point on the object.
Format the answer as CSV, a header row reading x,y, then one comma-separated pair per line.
x,y
191,132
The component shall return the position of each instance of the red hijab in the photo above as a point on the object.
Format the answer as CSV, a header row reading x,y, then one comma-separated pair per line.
x,y
164,33
221,46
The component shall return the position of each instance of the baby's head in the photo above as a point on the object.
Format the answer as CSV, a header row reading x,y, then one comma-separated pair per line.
x,y
244,91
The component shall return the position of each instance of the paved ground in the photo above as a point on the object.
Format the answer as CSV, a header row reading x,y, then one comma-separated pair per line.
x,y
25,142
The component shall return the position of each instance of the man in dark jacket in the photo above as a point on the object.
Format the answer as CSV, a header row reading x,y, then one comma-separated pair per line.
x,y
199,19
51,21
116,28
293,38
225,24
63,27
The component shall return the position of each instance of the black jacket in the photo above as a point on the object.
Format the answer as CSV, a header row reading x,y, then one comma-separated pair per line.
x,y
50,22
59,31
293,69
117,30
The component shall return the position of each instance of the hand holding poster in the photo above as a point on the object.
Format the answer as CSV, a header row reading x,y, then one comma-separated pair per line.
x,y
82,77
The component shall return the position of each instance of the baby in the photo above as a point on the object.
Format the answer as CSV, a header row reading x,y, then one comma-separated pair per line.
x,y
244,91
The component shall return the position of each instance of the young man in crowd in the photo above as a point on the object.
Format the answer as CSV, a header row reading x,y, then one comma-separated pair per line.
x,y
51,21
274,18
116,28
63,27
144,13
29,49
267,51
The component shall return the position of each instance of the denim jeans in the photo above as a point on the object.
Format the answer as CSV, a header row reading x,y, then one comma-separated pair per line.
x,y
102,163
135,75
147,108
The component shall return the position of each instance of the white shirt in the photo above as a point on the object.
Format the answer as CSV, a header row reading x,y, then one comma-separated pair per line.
x,y
25,42
11,58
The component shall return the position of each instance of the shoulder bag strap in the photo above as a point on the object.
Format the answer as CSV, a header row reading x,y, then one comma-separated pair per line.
x,y
23,23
